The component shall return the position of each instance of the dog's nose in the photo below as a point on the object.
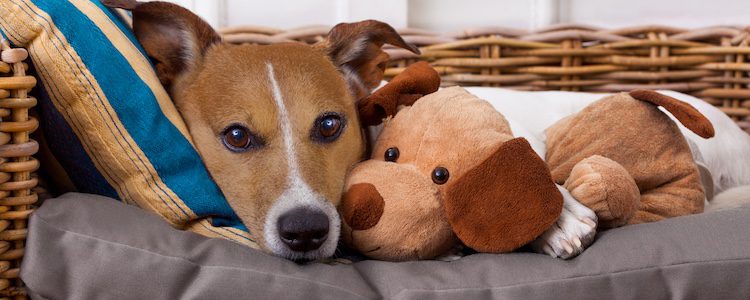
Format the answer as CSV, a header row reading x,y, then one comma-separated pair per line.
x,y
362,206
303,229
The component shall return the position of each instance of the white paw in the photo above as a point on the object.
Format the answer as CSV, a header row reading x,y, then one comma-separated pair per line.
x,y
454,254
571,234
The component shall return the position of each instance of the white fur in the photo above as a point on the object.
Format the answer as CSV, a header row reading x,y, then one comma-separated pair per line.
x,y
189,46
351,53
298,193
572,233
726,154
530,113
355,50
352,78
732,198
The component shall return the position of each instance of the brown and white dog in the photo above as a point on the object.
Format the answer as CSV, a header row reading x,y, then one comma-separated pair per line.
x,y
276,125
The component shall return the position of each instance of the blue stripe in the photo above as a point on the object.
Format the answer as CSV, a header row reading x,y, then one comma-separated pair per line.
x,y
176,162
77,164
87,86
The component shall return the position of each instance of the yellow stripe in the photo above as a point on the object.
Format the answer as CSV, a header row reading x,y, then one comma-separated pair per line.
x,y
140,64
9,11
204,228
125,17
73,122
98,119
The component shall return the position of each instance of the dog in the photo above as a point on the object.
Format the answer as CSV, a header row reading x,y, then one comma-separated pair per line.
x,y
276,125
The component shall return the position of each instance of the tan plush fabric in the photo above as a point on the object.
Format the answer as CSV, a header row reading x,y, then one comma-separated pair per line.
x,y
606,187
621,156
647,145
498,195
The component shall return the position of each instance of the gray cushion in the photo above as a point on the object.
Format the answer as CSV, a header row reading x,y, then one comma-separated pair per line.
x,y
89,247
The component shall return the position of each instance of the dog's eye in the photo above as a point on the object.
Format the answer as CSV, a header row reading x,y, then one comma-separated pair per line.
x,y
440,175
327,127
238,138
391,154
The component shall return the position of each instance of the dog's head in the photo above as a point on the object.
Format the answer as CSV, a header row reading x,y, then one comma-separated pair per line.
x,y
276,125
443,170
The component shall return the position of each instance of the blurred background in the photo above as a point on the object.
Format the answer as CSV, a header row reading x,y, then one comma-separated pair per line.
x,y
451,15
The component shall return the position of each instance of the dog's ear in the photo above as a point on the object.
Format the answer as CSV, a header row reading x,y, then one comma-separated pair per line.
x,y
355,48
174,38
417,80
505,202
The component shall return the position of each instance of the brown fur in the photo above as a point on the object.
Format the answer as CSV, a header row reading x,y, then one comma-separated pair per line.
x,y
455,130
215,85
370,66
605,187
685,113
505,201
416,81
239,72
649,148
362,206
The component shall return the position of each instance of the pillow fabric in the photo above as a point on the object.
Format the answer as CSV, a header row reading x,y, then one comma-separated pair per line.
x,y
113,126
106,250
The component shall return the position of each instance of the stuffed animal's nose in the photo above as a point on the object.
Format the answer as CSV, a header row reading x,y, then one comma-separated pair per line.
x,y
303,229
362,206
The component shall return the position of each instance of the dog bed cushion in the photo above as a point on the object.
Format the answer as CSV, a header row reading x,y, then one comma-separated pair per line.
x,y
115,129
85,247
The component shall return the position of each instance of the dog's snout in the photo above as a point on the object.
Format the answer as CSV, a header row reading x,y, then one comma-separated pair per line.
x,y
303,229
362,206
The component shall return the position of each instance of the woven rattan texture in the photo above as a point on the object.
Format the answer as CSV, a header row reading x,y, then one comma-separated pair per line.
x,y
16,165
710,63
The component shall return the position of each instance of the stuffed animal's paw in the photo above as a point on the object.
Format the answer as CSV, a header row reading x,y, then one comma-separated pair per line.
x,y
573,232
604,186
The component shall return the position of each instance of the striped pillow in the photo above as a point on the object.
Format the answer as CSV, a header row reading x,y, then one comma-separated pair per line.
x,y
112,124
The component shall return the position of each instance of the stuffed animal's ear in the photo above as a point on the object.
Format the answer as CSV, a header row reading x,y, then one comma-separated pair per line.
x,y
174,38
355,48
417,80
505,202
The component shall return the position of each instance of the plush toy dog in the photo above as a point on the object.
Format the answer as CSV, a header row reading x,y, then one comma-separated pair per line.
x,y
448,169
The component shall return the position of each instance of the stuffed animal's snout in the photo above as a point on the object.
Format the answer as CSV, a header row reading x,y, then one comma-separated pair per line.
x,y
362,206
393,211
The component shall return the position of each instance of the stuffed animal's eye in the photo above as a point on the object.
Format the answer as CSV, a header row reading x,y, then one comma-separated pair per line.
x,y
391,154
440,175
238,138
327,127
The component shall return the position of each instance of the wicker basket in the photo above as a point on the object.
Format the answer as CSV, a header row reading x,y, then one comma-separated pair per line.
x,y
16,165
710,63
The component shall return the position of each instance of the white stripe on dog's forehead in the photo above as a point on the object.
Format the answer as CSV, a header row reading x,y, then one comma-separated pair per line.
x,y
285,123
295,181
